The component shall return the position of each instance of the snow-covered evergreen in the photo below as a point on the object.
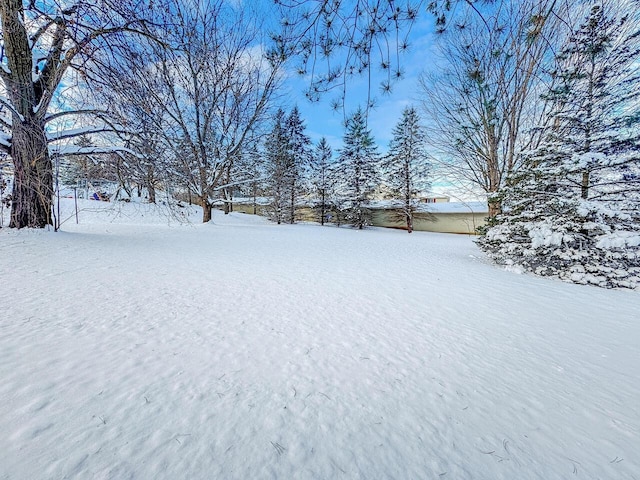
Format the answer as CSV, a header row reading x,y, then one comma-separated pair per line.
x,y
574,210
287,155
299,154
320,179
406,166
277,164
357,170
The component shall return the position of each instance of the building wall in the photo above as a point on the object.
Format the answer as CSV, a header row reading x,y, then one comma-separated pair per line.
x,y
450,222
248,208
444,222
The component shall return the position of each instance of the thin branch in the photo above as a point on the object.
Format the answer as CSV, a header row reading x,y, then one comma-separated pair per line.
x,y
82,131
91,111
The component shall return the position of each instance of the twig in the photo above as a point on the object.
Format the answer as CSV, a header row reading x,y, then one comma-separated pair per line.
x,y
279,448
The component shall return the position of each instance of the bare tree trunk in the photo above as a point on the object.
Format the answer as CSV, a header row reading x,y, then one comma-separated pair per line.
x,y
121,179
255,193
228,206
407,195
206,210
408,216
495,208
226,202
152,192
586,173
33,176
495,182
32,196
2,200
277,204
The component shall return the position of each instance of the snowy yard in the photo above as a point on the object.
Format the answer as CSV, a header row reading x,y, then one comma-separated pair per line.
x,y
131,348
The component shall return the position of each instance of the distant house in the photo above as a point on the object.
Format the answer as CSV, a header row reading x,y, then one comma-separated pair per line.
x,y
433,199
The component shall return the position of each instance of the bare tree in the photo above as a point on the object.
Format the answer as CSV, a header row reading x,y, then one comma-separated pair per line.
x,y
41,43
145,161
214,80
482,105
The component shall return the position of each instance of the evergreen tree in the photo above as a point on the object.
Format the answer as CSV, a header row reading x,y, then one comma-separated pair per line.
x,y
250,171
277,166
356,164
298,157
320,176
406,166
574,210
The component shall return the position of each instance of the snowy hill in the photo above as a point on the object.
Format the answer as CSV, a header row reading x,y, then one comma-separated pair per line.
x,y
136,345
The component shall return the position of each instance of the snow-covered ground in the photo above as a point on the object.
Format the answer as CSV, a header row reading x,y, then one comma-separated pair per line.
x,y
134,346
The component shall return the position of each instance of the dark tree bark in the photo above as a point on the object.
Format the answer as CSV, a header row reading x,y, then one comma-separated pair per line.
x,y
33,176
33,185
207,210
152,192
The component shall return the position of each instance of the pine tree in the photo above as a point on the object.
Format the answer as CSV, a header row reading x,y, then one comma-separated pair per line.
x,y
298,157
574,210
358,175
320,176
406,167
251,172
277,166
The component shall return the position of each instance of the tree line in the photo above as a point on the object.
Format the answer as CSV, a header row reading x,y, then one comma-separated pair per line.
x,y
280,170
293,172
